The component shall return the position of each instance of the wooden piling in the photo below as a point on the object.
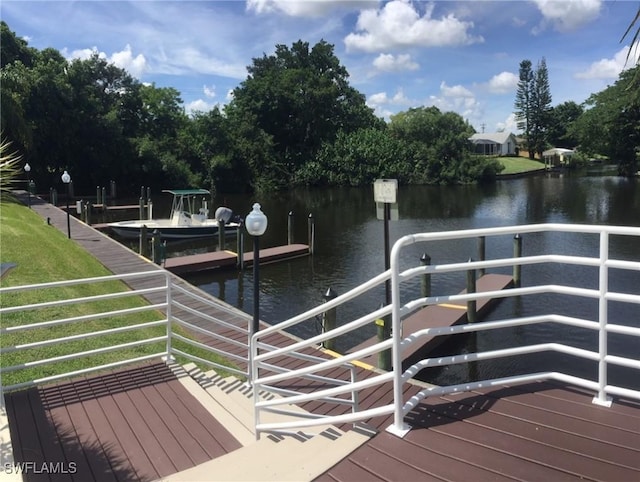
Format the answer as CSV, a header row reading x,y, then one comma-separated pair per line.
x,y
425,280
471,288
517,253
311,233
329,319
290,228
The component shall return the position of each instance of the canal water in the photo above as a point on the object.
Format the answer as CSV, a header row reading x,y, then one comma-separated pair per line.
x,y
349,249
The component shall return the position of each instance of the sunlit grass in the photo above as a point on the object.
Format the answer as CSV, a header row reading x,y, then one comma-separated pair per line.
x,y
518,165
43,254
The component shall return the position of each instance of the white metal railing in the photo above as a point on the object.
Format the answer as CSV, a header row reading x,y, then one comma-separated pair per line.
x,y
161,300
399,310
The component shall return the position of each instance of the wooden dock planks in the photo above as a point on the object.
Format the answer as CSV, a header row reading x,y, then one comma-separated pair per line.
x,y
228,259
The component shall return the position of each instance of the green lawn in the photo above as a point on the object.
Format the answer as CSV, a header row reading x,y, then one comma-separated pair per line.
x,y
44,254
518,165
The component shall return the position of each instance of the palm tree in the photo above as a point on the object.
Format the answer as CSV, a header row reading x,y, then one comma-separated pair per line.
x,y
9,168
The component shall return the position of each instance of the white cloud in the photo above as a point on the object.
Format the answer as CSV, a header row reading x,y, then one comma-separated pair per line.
x,y
457,99
399,24
611,68
385,106
567,15
390,63
135,66
503,83
306,8
509,125
199,106
454,91
209,91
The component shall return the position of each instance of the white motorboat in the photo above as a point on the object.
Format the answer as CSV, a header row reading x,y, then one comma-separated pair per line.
x,y
183,222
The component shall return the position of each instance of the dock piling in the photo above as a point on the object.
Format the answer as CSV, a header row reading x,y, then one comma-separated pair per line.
x,y
290,228
481,253
240,248
144,241
329,319
425,281
221,234
157,247
311,233
517,253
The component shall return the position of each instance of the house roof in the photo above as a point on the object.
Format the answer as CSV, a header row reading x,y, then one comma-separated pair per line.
x,y
491,138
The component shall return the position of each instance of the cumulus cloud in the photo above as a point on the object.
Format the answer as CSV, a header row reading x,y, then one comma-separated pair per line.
x,y
399,24
611,68
136,66
454,91
209,91
503,83
306,8
391,63
509,125
198,106
384,106
566,15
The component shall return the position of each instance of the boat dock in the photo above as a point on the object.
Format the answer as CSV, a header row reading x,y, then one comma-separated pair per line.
x,y
229,259
442,315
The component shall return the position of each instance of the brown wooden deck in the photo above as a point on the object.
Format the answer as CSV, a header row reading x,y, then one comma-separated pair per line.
x,y
537,431
226,259
137,424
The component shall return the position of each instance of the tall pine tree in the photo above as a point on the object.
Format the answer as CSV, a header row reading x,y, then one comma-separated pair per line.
x,y
541,109
523,103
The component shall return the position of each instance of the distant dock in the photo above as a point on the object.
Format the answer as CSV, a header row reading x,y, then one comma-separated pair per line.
x,y
442,315
229,259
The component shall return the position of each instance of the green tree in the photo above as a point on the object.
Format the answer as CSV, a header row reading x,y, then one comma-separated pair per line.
x,y
523,103
540,109
300,98
610,126
562,118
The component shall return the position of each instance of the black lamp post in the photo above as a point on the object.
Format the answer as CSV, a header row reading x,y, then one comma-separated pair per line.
x,y
27,169
66,178
256,223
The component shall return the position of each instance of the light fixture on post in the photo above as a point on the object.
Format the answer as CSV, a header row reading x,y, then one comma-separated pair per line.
x,y
256,224
27,169
66,178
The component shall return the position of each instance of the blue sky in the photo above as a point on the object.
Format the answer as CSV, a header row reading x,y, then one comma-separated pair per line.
x,y
459,56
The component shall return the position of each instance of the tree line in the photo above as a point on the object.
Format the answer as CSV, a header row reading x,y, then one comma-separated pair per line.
x,y
294,121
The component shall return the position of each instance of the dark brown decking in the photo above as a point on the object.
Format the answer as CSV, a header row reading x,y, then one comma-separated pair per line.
x,y
538,431
137,424
226,259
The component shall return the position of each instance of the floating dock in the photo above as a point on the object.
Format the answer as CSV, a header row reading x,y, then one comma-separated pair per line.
x,y
229,259
442,315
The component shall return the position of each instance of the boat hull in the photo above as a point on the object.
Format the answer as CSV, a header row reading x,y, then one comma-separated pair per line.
x,y
131,229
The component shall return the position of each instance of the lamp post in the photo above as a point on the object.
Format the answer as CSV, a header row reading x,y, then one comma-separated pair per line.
x,y
256,223
27,169
66,178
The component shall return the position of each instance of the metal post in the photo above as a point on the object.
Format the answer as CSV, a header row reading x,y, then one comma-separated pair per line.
x,y
311,233
240,248
255,327
517,253
384,357
387,265
290,228
471,288
329,320
481,252
425,281
141,208
104,198
113,189
68,215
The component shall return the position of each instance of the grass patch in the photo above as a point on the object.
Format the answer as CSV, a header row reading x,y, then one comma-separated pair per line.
x,y
518,165
44,254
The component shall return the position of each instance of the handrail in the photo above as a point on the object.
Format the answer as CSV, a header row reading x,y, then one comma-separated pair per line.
x,y
399,341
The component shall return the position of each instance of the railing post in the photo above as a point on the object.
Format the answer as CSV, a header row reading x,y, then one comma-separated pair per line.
x,y
311,233
329,319
168,282
602,398
425,280
471,288
482,246
290,228
517,253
